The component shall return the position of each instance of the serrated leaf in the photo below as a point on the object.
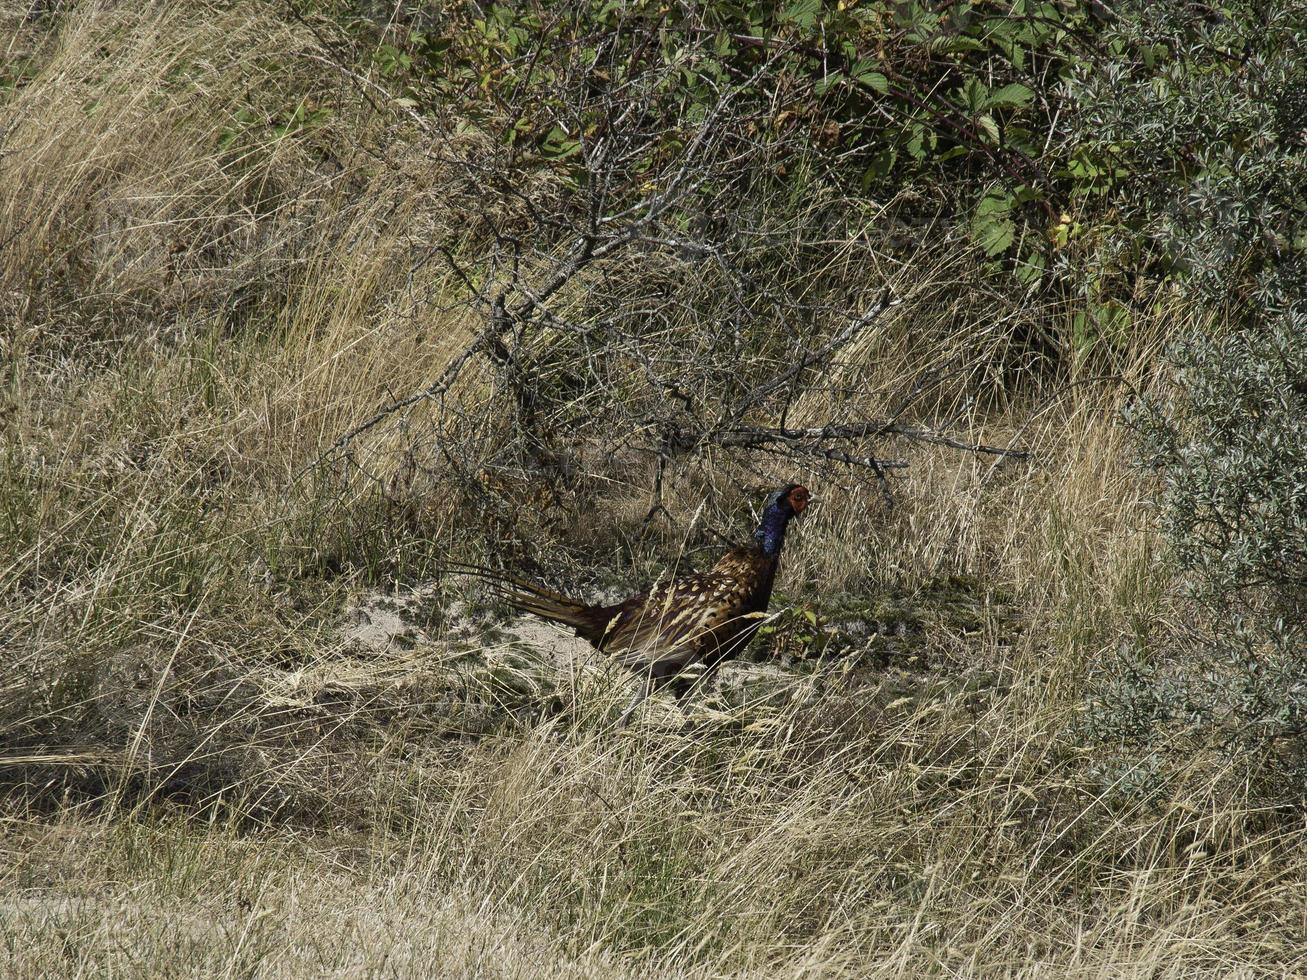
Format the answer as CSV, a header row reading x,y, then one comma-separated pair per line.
x,y
920,142
802,13
992,225
1010,96
863,66
1031,268
988,127
865,73
974,94
875,81
954,44
994,203
996,237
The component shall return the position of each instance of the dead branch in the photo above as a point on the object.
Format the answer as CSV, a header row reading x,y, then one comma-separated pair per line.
x,y
635,306
750,436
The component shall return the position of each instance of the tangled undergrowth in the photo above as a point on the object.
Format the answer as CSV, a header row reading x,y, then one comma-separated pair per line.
x,y
246,727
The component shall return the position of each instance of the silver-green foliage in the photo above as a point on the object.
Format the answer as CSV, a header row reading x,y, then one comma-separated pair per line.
x,y
1198,119
1197,123
1231,450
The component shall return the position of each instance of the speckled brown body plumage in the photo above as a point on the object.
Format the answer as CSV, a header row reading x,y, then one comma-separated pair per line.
x,y
702,618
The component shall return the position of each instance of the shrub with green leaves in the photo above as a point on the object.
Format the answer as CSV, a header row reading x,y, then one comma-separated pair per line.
x,y
1191,141
1203,138
1231,450
946,107
1192,128
1234,706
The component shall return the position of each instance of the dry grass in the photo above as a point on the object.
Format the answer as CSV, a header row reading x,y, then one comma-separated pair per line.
x,y
926,838
205,777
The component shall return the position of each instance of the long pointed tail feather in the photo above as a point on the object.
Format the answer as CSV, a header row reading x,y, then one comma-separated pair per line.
x,y
533,598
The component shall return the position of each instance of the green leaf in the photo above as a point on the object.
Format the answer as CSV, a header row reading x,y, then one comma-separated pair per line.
x,y
391,60
1083,335
865,73
558,145
874,80
922,23
992,225
988,128
863,65
1102,322
1113,321
824,85
1022,139
995,203
802,13
975,94
954,44
1010,96
881,165
920,142
1031,268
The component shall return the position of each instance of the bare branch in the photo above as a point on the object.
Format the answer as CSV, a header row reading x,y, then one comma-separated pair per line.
x,y
818,357
748,436
628,300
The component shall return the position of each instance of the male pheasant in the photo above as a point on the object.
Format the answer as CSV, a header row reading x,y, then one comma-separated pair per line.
x,y
703,618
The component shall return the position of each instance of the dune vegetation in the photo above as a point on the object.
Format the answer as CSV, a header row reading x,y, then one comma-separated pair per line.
x,y
303,301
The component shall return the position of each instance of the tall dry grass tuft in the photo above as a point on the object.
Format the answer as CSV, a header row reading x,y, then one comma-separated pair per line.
x,y
210,277
142,158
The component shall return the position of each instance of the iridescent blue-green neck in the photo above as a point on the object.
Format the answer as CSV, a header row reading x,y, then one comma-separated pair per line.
x,y
771,531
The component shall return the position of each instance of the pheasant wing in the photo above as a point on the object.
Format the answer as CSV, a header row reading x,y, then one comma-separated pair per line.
x,y
678,622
